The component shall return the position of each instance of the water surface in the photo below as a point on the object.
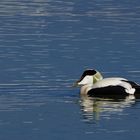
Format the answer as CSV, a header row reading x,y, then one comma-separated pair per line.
x,y
44,48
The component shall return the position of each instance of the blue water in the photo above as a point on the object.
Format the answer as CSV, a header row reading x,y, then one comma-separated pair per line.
x,y
44,48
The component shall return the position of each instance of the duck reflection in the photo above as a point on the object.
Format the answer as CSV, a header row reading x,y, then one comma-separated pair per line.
x,y
94,108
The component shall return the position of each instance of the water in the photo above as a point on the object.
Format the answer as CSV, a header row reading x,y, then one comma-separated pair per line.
x,y
44,48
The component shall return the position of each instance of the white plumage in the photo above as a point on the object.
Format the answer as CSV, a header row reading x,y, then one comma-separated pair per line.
x,y
114,82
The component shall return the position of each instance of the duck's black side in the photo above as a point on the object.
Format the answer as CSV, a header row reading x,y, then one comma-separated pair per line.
x,y
108,92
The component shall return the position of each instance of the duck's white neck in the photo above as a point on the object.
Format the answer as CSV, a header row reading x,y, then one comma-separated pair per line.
x,y
89,81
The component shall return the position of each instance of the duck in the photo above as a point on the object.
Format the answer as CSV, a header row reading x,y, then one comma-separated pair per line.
x,y
92,83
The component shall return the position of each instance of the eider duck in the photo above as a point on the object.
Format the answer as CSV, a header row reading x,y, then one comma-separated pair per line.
x,y
93,84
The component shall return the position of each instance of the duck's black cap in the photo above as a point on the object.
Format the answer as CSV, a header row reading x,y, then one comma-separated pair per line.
x,y
88,72
85,73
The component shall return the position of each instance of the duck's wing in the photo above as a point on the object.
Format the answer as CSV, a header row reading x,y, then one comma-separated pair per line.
x,y
134,85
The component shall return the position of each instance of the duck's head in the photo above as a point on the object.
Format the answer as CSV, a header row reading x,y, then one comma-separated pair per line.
x,y
89,76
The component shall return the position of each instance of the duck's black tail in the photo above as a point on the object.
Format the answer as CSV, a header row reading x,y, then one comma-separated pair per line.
x,y
137,92
136,86
137,89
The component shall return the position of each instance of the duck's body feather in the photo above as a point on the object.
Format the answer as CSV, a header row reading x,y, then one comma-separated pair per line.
x,y
112,90
108,91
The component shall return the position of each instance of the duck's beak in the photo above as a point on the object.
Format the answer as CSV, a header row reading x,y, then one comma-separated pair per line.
x,y
76,84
